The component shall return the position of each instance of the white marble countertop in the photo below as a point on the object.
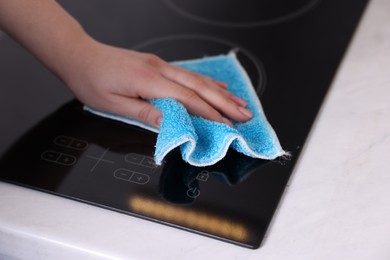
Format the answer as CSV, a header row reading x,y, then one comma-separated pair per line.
x,y
336,206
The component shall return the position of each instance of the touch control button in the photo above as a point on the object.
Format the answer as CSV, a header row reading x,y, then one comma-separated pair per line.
x,y
70,142
139,178
148,162
131,176
203,176
62,140
79,144
193,192
134,158
123,174
66,159
50,156
57,157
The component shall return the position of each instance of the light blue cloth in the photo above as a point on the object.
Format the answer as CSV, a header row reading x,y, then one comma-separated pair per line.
x,y
203,142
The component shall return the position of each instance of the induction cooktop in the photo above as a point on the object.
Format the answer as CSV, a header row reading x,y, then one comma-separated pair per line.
x,y
291,51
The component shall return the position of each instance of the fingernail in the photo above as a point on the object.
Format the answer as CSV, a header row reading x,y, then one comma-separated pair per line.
x,y
159,120
226,121
245,112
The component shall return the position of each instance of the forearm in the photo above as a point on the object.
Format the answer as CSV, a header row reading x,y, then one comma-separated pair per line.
x,y
45,29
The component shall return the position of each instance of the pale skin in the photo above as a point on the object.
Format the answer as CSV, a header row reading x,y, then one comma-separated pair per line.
x,y
112,79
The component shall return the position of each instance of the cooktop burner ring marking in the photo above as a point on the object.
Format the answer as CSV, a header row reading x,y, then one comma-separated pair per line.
x,y
272,21
231,46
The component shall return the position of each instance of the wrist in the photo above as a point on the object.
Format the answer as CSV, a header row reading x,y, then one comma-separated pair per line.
x,y
74,58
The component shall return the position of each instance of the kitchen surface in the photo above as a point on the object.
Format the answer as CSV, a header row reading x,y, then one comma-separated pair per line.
x,y
335,205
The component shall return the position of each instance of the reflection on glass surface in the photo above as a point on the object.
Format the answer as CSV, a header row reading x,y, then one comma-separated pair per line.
x,y
206,222
180,181
180,184
81,156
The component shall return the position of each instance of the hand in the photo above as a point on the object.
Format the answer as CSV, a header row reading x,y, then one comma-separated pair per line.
x,y
119,81
109,78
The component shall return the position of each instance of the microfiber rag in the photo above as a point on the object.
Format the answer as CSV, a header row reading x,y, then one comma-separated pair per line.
x,y
203,142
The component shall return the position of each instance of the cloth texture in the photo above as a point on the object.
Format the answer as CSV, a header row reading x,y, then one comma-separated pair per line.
x,y
203,142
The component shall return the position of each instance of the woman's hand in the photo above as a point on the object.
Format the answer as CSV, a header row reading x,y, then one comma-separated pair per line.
x,y
108,78
119,81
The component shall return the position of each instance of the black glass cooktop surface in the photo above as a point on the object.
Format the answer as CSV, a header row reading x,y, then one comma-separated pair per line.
x,y
291,50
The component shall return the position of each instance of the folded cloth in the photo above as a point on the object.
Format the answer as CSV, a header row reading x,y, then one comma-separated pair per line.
x,y
203,142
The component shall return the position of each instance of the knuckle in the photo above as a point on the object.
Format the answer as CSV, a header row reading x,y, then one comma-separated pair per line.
x,y
152,60
189,95
192,80
198,81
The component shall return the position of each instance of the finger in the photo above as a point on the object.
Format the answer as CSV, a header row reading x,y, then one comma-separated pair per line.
x,y
179,74
190,99
229,106
224,101
220,83
138,109
239,101
178,69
